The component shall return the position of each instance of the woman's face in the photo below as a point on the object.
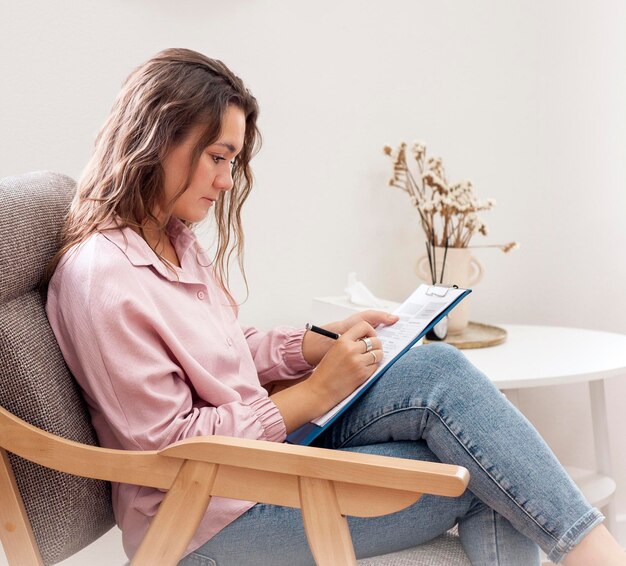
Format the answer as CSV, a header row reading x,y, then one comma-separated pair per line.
x,y
213,173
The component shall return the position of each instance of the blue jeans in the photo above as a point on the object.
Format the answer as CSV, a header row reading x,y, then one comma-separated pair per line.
x,y
434,405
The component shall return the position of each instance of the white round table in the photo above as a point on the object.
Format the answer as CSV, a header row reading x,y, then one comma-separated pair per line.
x,y
536,356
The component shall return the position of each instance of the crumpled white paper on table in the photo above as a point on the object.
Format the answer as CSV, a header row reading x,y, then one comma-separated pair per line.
x,y
359,294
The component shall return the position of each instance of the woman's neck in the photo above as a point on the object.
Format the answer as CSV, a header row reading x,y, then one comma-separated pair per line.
x,y
159,241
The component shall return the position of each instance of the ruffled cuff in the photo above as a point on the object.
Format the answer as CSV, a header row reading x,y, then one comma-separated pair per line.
x,y
294,359
271,420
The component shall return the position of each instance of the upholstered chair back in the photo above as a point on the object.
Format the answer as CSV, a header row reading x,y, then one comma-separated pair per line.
x,y
66,512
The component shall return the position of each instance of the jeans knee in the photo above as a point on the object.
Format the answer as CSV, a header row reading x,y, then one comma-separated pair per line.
x,y
441,349
449,364
441,354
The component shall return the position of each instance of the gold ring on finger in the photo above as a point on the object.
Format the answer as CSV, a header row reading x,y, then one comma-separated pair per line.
x,y
373,354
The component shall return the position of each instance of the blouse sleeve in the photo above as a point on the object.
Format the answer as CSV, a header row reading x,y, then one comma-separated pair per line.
x,y
277,354
132,382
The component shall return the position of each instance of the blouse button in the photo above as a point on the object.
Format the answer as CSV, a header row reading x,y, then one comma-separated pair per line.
x,y
201,295
229,342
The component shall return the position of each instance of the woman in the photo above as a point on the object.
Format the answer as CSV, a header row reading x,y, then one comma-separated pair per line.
x,y
149,329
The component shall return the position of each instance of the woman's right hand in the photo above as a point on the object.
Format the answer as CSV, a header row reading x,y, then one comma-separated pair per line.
x,y
345,367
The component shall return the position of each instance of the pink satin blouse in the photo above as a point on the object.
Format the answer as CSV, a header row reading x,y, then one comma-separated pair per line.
x,y
160,356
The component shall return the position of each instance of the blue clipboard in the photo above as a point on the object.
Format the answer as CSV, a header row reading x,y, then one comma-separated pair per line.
x,y
308,432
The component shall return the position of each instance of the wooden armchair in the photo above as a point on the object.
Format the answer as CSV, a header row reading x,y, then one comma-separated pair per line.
x,y
54,491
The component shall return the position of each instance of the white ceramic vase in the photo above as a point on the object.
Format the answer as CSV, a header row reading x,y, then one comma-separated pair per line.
x,y
461,269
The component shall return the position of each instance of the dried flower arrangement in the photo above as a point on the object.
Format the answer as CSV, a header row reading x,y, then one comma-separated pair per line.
x,y
448,211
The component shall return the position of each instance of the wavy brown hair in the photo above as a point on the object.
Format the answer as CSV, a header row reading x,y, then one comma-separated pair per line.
x,y
159,103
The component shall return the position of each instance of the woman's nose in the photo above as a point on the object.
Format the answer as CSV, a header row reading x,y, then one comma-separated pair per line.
x,y
224,181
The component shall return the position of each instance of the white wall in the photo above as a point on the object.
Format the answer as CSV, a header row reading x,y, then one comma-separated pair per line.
x,y
525,98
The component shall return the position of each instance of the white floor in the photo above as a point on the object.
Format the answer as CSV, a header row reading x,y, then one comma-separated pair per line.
x,y
106,551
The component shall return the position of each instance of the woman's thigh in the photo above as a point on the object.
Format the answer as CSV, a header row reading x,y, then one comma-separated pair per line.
x,y
268,534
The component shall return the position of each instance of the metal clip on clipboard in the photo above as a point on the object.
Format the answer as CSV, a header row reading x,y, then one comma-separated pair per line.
x,y
439,290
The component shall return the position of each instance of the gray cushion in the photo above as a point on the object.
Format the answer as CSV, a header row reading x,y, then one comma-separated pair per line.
x,y
445,550
66,512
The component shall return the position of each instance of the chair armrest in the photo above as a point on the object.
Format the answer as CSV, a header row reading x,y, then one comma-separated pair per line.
x,y
321,463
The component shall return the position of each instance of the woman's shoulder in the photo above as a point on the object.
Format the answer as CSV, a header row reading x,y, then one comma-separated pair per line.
x,y
95,268
96,256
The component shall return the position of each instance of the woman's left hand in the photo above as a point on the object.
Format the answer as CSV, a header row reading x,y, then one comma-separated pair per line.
x,y
315,346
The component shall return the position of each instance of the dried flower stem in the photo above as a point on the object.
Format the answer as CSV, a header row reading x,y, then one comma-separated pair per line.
x,y
448,212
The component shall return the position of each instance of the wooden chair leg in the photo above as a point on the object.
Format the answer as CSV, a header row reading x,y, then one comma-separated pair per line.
x,y
326,528
179,514
16,533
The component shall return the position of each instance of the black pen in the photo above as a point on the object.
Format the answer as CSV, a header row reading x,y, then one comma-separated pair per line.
x,y
322,331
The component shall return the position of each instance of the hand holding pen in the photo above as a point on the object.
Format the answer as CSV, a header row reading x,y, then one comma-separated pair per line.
x,y
345,354
348,363
345,364
367,341
317,342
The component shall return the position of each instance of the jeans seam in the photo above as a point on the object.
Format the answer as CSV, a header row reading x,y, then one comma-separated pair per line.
x,y
495,536
494,480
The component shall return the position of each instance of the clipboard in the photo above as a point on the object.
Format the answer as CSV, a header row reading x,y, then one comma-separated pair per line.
x,y
424,308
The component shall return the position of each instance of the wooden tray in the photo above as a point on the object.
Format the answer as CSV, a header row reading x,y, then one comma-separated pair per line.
x,y
476,335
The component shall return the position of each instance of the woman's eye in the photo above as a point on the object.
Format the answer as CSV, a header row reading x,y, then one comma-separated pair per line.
x,y
218,158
